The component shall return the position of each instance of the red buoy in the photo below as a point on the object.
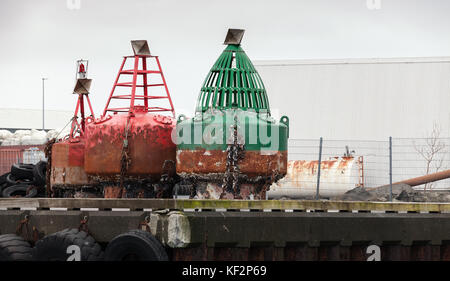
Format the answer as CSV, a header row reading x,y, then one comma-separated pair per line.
x,y
132,142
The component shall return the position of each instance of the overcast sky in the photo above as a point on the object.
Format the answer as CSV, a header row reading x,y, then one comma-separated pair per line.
x,y
45,38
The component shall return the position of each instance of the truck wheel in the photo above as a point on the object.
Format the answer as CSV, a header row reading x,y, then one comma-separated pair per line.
x,y
135,245
67,245
14,248
22,171
39,173
20,190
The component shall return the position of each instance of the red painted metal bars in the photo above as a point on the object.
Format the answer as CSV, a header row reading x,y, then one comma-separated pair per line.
x,y
133,85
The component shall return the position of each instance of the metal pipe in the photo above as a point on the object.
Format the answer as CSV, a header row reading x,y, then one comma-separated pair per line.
x,y
426,179
144,78
165,86
133,88
43,107
390,168
114,87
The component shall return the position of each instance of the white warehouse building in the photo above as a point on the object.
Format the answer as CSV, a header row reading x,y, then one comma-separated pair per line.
x,y
360,103
360,98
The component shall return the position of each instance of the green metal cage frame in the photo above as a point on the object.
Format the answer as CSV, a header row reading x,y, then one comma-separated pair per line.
x,y
233,83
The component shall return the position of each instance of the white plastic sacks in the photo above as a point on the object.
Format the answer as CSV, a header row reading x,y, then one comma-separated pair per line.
x,y
26,137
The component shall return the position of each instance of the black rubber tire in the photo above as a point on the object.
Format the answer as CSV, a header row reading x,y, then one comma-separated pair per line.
x,y
136,245
11,180
4,183
20,189
14,248
2,187
3,178
53,247
39,173
22,171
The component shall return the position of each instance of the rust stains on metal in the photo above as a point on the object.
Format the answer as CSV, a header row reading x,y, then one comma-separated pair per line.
x,y
298,169
214,161
305,252
338,174
201,161
256,173
149,144
48,154
67,164
113,192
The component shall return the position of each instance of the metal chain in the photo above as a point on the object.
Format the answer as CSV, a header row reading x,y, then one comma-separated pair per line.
x,y
125,159
235,152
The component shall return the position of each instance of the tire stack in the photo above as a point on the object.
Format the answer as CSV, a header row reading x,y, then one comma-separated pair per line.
x,y
14,248
24,180
72,244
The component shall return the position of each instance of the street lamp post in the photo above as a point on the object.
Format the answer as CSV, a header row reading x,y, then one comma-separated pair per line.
x,y
43,108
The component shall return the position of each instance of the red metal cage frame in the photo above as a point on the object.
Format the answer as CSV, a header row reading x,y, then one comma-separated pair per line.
x,y
133,85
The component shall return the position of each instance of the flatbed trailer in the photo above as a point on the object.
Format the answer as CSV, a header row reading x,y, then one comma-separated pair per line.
x,y
246,229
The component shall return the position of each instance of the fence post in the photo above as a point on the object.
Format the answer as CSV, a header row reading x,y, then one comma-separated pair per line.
x,y
318,169
390,169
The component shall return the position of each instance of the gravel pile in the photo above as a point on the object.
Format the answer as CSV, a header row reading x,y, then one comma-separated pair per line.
x,y
400,192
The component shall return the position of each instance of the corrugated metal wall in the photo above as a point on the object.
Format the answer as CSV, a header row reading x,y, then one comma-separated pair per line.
x,y
19,154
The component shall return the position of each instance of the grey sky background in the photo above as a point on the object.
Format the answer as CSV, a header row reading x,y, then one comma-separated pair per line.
x,y
45,38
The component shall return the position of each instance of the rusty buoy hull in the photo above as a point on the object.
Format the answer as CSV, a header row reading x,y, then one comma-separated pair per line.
x,y
67,165
254,163
148,137
228,155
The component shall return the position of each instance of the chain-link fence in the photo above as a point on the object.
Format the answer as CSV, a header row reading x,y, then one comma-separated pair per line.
x,y
413,157
346,164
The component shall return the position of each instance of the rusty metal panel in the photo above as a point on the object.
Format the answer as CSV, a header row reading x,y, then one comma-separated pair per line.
x,y
68,164
214,161
9,157
212,169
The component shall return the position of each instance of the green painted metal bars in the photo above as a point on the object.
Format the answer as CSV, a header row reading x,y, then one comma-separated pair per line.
x,y
233,82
